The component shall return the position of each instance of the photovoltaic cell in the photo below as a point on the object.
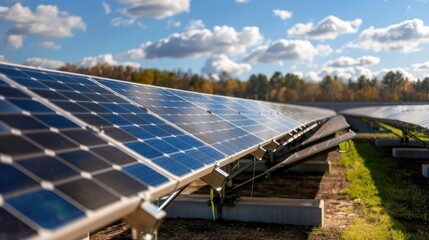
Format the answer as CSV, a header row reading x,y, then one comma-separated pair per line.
x,y
13,228
47,209
12,179
47,168
120,182
145,174
87,193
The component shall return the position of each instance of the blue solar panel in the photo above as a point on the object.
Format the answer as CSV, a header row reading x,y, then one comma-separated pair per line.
x,y
72,144
43,156
102,109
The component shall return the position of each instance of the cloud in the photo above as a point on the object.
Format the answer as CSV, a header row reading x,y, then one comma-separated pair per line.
x,y
221,63
44,63
380,74
403,37
122,21
198,42
45,21
106,7
420,66
13,41
173,23
282,14
242,1
3,58
328,28
156,8
346,62
346,73
195,24
284,49
48,45
313,77
349,68
88,62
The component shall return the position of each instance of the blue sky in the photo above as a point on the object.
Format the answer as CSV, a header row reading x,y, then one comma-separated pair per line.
x,y
311,38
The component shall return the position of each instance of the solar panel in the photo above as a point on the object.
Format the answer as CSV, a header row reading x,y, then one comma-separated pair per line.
x,y
87,149
52,171
403,116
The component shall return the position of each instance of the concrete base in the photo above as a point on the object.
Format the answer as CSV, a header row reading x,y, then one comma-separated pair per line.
x,y
396,143
411,153
193,206
304,212
425,170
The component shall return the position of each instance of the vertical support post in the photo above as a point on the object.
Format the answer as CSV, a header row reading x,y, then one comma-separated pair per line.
x,y
405,139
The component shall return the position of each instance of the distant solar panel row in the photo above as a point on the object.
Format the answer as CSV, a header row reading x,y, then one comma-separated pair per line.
x,y
72,144
407,116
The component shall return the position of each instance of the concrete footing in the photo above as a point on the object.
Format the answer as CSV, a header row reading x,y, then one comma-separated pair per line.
x,y
425,170
304,212
411,153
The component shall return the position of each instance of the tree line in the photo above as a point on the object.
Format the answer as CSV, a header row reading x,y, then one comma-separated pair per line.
x,y
393,87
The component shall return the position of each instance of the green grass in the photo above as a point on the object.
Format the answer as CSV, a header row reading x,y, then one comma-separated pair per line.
x,y
383,193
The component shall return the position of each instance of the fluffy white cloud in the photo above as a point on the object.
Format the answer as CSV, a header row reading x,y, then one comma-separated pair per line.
x,y
198,42
156,8
421,66
404,37
106,7
380,74
313,77
221,63
283,49
44,63
282,14
49,44
328,28
242,1
46,21
13,41
89,62
349,68
345,62
195,24
346,73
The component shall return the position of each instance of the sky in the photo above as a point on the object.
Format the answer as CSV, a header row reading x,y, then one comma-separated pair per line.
x,y
310,38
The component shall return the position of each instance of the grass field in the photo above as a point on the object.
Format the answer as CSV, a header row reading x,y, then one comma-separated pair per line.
x,y
385,196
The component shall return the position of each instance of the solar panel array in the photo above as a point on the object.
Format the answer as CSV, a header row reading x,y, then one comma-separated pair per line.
x,y
73,146
414,117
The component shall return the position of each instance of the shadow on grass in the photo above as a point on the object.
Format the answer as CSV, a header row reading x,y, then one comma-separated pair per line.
x,y
401,191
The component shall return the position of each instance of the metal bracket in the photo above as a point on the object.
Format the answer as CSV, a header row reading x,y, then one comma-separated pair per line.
x,y
273,145
146,219
216,179
259,153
